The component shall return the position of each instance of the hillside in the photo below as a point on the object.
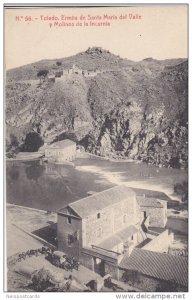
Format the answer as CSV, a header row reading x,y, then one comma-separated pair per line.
x,y
129,109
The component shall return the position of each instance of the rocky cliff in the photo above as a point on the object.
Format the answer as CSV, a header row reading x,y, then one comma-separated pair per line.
x,y
134,110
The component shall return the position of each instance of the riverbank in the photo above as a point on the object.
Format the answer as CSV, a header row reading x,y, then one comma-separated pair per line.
x,y
32,227
26,156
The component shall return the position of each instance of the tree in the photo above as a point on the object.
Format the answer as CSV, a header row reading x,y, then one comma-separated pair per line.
x,y
58,63
42,74
33,142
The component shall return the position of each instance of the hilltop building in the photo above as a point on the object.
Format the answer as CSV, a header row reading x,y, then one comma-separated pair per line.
x,y
62,151
78,71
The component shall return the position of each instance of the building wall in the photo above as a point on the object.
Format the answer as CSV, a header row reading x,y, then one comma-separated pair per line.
x,y
87,261
118,248
160,243
90,73
158,215
92,260
61,154
147,282
112,270
111,219
64,229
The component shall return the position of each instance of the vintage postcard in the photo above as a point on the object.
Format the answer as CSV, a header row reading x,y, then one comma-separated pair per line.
x,y
96,113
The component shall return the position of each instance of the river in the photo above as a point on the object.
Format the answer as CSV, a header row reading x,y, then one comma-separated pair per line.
x,y
51,186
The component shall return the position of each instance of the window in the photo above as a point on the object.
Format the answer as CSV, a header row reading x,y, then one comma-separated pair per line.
x,y
69,220
98,216
70,240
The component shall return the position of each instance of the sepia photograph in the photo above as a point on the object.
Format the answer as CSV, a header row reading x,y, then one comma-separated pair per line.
x,y
96,148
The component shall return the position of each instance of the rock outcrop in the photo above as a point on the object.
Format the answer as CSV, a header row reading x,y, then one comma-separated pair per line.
x,y
129,110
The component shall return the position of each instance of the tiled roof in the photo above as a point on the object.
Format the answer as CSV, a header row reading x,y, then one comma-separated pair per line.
x,y
149,202
157,265
118,237
152,194
61,144
95,203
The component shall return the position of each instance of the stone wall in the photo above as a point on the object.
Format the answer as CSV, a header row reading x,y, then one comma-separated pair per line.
x,y
139,280
87,261
158,215
59,154
110,220
112,270
64,229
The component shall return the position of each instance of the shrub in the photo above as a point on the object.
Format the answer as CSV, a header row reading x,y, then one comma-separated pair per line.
x,y
181,189
33,142
42,74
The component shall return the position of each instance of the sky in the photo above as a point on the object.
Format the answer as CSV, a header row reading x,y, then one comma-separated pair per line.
x,y
160,32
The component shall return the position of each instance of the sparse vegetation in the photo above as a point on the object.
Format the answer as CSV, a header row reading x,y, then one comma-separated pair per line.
x,y
126,111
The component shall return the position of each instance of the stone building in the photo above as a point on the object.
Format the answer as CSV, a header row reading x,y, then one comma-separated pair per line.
x,y
78,71
156,209
62,151
100,229
59,74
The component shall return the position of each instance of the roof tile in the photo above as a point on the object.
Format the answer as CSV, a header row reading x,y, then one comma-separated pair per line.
x,y
157,265
95,203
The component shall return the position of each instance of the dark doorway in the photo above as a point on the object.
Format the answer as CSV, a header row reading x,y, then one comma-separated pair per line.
x,y
99,266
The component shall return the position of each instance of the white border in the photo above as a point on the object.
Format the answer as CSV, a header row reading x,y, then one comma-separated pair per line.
x,y
105,296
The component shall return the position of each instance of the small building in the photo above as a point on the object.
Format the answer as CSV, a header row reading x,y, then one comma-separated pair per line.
x,y
148,194
155,208
58,74
75,70
90,73
62,151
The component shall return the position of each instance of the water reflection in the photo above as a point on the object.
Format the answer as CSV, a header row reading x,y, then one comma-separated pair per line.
x,y
34,173
48,186
14,173
52,186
